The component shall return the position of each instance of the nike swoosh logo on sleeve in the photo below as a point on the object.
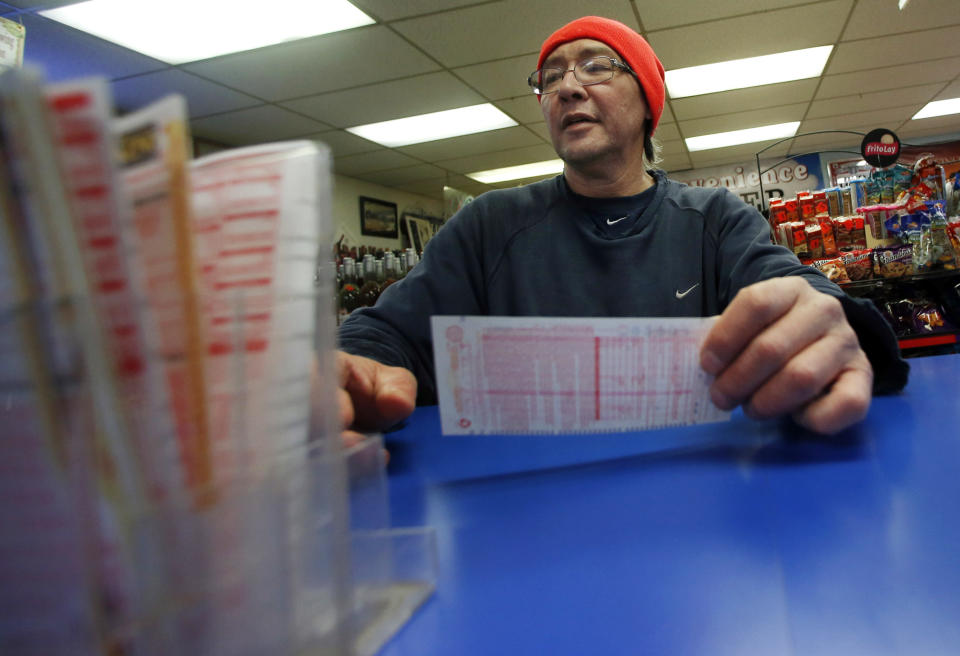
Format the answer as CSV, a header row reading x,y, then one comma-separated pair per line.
x,y
680,294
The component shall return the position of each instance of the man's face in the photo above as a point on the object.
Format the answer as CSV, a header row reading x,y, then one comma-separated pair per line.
x,y
596,124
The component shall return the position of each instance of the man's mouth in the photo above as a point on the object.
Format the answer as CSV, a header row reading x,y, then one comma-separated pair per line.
x,y
573,119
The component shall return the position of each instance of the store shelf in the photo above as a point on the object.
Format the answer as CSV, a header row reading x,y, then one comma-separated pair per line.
x,y
928,340
889,283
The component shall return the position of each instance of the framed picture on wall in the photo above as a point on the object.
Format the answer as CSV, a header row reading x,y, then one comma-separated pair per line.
x,y
378,218
419,231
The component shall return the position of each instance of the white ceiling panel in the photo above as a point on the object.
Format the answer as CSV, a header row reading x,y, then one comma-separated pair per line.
x,y
667,131
429,188
881,17
473,144
881,118
675,147
744,153
48,42
486,161
420,94
864,102
343,143
739,100
894,77
750,36
255,125
504,78
407,174
657,15
895,50
390,10
378,160
676,163
926,126
950,91
757,117
523,109
203,97
504,29
324,63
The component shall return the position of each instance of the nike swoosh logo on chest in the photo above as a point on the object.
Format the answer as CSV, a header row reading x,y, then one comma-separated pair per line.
x,y
680,294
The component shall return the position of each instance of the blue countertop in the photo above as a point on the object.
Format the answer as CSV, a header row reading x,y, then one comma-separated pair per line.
x,y
736,538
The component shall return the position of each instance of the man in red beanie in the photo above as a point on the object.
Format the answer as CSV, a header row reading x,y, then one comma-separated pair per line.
x,y
624,240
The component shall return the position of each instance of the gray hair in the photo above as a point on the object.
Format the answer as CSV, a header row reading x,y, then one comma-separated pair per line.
x,y
651,149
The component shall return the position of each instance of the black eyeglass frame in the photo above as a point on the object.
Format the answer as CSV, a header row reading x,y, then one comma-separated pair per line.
x,y
534,78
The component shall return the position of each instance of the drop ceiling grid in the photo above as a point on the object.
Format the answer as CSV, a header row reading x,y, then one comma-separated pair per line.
x,y
427,55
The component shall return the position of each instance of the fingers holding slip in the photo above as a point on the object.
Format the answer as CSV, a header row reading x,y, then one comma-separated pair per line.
x,y
371,395
782,347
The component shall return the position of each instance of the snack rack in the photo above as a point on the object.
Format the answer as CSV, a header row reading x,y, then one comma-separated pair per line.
x,y
939,288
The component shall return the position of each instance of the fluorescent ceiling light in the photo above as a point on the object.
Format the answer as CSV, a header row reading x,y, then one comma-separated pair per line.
x,y
736,137
435,125
939,108
535,169
179,31
749,72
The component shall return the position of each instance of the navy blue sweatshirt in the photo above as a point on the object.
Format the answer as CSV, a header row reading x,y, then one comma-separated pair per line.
x,y
542,250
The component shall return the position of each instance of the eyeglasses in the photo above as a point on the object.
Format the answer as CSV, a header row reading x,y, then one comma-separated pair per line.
x,y
589,71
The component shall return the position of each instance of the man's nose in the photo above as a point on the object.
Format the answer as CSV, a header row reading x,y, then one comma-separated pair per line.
x,y
569,84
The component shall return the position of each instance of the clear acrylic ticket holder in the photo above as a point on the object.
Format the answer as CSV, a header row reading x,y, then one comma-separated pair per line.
x,y
290,554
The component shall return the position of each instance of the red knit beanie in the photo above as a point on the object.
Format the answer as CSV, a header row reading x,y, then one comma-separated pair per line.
x,y
628,44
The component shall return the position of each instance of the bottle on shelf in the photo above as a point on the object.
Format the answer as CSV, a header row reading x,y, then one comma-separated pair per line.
x,y
369,290
348,298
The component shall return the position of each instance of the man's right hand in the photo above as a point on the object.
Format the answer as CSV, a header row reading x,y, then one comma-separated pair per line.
x,y
371,395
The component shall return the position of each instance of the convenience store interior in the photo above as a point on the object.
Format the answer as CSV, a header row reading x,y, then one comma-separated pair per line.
x,y
423,56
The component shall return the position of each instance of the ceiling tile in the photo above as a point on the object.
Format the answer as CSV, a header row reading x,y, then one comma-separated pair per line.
x,y
750,36
892,77
406,174
486,161
676,163
524,109
744,154
676,147
667,131
658,15
316,65
540,129
255,125
882,118
749,119
428,188
927,126
739,100
894,50
950,91
473,144
389,10
421,94
918,96
378,160
65,53
500,29
878,17
203,97
504,78
343,143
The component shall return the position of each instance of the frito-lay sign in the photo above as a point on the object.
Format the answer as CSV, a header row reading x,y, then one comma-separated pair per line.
x,y
880,148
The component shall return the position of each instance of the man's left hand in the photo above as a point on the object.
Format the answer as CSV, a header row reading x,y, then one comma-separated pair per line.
x,y
782,347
